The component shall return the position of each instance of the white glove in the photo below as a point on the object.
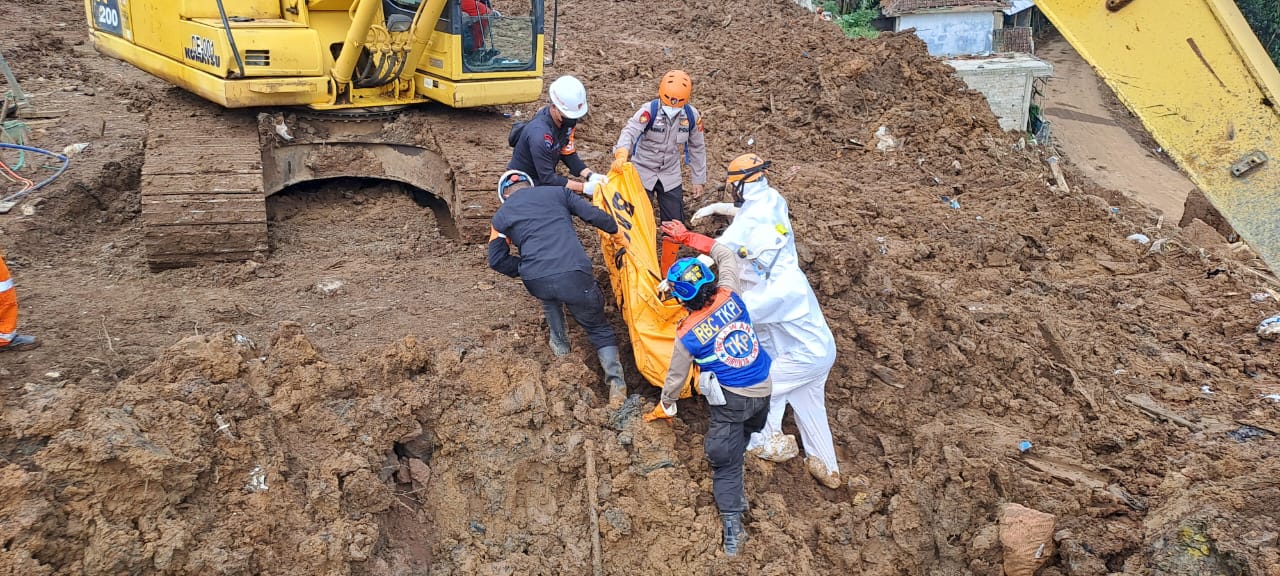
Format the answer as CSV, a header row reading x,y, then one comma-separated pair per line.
x,y
589,188
597,177
719,208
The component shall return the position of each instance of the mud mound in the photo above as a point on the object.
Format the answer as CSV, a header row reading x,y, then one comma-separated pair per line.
x,y
1021,314
215,460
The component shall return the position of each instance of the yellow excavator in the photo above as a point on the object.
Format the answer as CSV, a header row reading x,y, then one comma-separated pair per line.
x,y
1196,75
336,79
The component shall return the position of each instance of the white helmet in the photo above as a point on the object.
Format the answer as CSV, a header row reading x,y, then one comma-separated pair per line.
x,y
569,97
507,179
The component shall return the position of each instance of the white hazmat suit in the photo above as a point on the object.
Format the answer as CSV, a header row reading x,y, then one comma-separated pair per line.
x,y
789,324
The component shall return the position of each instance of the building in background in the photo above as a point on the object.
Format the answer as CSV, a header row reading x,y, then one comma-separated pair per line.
x,y
950,27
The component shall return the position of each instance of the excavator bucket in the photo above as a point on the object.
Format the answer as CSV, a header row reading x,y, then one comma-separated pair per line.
x,y
1197,77
633,273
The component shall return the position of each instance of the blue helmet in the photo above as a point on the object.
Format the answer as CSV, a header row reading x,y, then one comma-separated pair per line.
x,y
686,276
507,179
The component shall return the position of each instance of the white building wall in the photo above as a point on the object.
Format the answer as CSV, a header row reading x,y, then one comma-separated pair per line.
x,y
951,33
1007,84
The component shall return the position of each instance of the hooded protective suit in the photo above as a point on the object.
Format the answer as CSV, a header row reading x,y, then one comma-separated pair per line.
x,y
789,325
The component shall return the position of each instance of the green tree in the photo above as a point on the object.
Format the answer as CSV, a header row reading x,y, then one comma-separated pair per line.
x,y
1264,18
855,16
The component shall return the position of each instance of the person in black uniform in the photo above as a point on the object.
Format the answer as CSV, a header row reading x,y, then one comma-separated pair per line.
x,y
547,140
553,264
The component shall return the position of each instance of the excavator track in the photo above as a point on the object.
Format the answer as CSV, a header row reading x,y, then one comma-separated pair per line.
x,y
202,193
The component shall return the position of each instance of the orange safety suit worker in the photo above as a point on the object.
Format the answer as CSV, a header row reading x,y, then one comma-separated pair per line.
x,y
8,306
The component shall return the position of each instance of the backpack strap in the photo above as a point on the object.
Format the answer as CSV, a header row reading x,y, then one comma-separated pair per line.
x,y
653,113
693,125
654,105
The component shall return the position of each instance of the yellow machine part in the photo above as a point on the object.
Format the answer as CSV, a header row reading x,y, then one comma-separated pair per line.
x,y
184,43
634,276
1197,77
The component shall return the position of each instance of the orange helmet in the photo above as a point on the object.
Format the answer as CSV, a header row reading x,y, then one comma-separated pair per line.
x,y
747,168
674,88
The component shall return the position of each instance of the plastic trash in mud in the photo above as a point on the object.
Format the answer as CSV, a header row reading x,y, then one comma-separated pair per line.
x,y
73,149
1271,397
257,480
1269,329
1246,433
1024,446
885,142
1140,238
1206,390
631,408
952,202
882,245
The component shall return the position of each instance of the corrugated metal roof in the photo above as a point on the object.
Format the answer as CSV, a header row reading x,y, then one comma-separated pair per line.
x,y
1019,5
899,7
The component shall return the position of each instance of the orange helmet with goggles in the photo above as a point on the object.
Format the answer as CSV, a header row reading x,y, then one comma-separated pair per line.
x,y
675,88
746,168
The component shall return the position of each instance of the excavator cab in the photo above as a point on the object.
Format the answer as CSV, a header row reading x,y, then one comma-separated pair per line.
x,y
328,54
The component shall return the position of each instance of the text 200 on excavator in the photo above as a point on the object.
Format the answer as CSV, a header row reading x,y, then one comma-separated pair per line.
x,y
349,67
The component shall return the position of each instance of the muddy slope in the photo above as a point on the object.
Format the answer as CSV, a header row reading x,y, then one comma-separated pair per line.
x,y
413,421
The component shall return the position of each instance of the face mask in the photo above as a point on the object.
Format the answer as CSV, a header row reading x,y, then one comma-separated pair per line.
x,y
567,122
671,111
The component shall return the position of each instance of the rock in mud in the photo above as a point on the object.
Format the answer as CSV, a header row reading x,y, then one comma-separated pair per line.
x,y
1027,538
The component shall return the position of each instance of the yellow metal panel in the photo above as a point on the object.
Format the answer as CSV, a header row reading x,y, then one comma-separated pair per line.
x,y
1202,85
487,93
229,93
242,8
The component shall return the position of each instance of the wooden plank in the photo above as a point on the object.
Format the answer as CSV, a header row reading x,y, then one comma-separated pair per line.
x,y
1148,404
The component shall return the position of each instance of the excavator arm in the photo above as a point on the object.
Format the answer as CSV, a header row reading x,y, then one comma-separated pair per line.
x,y
1201,82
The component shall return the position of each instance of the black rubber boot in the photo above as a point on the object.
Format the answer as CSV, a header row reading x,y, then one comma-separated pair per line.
x,y
611,362
735,533
555,323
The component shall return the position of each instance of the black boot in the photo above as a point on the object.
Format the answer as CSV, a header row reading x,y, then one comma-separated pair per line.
x,y
735,533
612,365
555,324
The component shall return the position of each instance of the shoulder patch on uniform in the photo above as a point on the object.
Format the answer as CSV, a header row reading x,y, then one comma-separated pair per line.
x,y
548,141
644,117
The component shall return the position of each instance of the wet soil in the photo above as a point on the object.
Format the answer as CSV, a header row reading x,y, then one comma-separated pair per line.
x,y
372,399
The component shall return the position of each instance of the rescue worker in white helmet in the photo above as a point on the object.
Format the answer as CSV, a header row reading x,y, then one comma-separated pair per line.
x,y
554,267
787,317
718,337
546,140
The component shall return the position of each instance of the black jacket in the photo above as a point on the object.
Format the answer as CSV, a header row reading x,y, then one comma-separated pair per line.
x,y
537,221
540,147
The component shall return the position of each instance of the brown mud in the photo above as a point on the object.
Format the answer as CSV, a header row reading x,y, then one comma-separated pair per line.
x,y
372,400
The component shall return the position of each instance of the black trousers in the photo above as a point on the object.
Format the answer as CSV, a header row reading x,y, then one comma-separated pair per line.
x,y
670,202
726,446
579,292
